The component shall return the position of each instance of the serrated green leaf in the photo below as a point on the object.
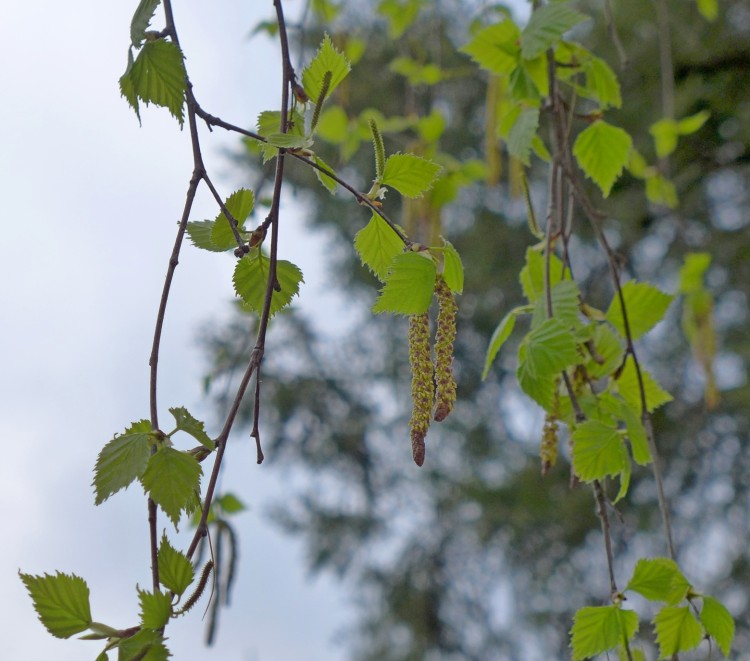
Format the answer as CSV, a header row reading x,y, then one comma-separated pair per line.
x,y
597,629
540,388
200,232
546,26
289,140
269,123
453,268
251,277
636,434
400,14
377,244
659,579
565,297
409,285
501,334
122,460
333,125
324,179
176,572
677,630
141,19
410,175
326,59
602,151
550,348
156,76
718,623
625,475
522,134
692,272
598,451
156,608
145,645
645,304
532,274
628,387
602,83
231,504
609,352
172,478
102,657
239,204
495,47
187,423
61,602
522,86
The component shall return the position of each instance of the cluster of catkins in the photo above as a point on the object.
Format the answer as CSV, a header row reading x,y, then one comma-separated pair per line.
x,y
433,388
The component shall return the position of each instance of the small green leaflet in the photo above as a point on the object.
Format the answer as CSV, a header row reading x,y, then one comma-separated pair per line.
x,y
122,460
646,306
176,572
602,83
565,305
187,423
326,10
324,179
718,623
709,9
501,334
598,451
495,47
550,348
400,14
660,190
251,279
603,151
61,602
540,388
269,124
666,131
377,244
156,76
333,125
172,478
141,19
628,387
156,608
453,268
597,629
146,645
415,72
326,59
636,434
532,274
692,272
217,235
409,285
677,630
659,579
609,352
230,504
522,134
546,26
410,175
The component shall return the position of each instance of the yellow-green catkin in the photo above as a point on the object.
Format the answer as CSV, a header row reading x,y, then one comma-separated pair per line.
x,y
445,335
422,383
548,450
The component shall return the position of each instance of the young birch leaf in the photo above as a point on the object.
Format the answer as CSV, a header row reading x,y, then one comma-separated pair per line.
x,y
172,478
146,645
122,460
598,451
659,579
400,15
141,19
230,504
377,244
501,334
677,630
157,76
251,277
324,179
646,306
201,232
495,47
628,387
602,83
326,59
565,305
409,285
176,572
602,151
546,26
636,434
540,388
410,175
718,623
156,608
522,134
187,423
453,268
597,629
532,274
61,602
239,204
550,348
609,352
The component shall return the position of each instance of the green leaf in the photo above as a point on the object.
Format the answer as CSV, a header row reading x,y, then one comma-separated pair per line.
x,y
532,274
597,629
609,350
156,76
453,268
200,233
645,304
146,645
61,602
415,72
665,135
550,348
187,423
603,151
636,434
377,244
628,387
431,127
230,504
546,26
522,134
677,630
501,334
141,19
540,388
718,623
660,190
693,123
400,14
326,10
251,278
156,608
122,460
289,140
522,85
692,272
326,59
333,125
602,83
659,579
565,297
495,47
409,285
239,204
410,175
176,572
172,478
324,179
709,9
269,123
598,451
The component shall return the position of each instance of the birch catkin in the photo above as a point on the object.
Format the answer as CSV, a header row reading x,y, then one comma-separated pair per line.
x,y
445,395
422,383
